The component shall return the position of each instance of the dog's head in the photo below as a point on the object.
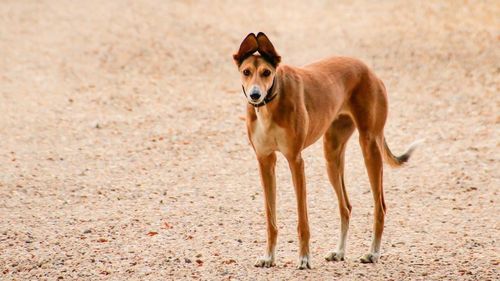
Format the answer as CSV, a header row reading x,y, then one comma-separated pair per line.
x,y
257,71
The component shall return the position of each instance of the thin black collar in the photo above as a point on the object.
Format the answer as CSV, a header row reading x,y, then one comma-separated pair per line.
x,y
269,96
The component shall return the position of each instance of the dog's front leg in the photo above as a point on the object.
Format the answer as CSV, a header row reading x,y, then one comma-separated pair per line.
x,y
297,168
267,175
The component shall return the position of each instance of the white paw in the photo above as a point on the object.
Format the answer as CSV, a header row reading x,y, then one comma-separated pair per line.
x,y
265,261
304,262
370,258
335,256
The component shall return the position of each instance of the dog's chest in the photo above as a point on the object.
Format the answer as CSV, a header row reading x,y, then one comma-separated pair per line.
x,y
267,137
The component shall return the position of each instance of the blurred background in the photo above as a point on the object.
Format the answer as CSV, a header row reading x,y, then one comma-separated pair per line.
x,y
124,153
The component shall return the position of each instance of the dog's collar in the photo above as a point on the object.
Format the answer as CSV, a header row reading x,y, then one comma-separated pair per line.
x,y
269,96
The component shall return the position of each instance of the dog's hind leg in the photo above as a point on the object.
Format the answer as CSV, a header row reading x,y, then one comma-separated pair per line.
x,y
334,144
267,166
369,110
373,162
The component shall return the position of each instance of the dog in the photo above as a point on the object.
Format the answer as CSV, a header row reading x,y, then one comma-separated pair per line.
x,y
289,108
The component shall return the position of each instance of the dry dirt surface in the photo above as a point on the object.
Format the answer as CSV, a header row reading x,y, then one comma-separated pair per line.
x,y
124,155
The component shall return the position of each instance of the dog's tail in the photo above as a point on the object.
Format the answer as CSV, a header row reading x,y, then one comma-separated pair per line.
x,y
398,161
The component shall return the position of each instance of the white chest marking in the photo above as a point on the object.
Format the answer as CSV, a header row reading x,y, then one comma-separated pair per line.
x,y
267,136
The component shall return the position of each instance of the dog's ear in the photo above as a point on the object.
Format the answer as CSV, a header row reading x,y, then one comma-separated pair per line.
x,y
266,49
247,48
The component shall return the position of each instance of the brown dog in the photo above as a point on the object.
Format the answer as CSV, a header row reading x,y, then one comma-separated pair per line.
x,y
290,108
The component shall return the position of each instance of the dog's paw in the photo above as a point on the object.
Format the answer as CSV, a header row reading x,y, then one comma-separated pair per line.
x,y
370,258
335,256
304,262
265,261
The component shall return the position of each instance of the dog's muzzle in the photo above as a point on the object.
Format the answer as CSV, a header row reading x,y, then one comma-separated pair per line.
x,y
255,95
256,98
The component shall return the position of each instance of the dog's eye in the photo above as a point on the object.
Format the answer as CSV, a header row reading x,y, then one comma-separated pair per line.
x,y
266,73
246,72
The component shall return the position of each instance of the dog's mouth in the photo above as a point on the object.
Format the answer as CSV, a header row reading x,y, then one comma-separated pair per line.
x,y
255,102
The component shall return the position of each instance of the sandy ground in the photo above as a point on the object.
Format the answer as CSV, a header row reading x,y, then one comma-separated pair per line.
x,y
124,156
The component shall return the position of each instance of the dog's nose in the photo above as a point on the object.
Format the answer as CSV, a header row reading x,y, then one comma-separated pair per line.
x,y
255,95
